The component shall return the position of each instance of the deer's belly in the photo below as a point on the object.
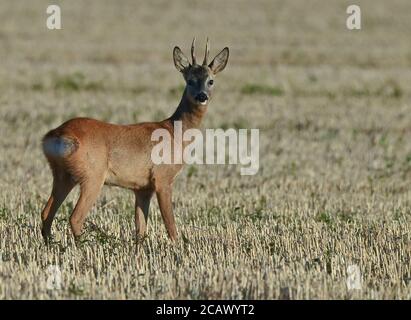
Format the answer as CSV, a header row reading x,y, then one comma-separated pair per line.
x,y
131,177
130,182
129,169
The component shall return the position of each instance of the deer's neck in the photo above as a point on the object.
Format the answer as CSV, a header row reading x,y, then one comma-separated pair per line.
x,y
188,113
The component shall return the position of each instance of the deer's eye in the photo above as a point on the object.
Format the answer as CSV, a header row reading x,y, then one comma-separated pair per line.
x,y
210,82
190,82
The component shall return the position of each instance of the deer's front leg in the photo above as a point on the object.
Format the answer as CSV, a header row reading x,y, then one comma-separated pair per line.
x,y
166,208
143,198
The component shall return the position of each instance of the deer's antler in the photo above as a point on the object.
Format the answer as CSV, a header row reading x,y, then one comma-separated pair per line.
x,y
193,55
207,51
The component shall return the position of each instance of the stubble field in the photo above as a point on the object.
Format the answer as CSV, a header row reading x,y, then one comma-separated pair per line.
x,y
334,112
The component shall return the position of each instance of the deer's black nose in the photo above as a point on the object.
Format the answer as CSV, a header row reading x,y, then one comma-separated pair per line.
x,y
202,97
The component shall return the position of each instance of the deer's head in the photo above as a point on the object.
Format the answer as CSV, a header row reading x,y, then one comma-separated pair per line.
x,y
199,78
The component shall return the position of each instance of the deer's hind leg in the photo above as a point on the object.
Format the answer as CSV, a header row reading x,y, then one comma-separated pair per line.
x,y
62,185
89,191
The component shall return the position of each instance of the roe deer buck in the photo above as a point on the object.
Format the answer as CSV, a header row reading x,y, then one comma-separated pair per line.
x,y
91,153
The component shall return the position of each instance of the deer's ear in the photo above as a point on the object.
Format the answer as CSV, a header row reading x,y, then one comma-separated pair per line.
x,y
180,60
220,61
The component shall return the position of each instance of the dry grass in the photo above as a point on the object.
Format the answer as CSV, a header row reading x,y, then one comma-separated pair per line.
x,y
334,111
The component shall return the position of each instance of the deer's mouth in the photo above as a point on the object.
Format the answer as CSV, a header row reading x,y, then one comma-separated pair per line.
x,y
202,98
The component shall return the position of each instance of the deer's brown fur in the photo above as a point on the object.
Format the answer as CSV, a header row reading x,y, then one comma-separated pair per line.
x,y
92,153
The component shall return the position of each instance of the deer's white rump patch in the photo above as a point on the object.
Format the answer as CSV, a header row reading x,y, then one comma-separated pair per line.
x,y
59,146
